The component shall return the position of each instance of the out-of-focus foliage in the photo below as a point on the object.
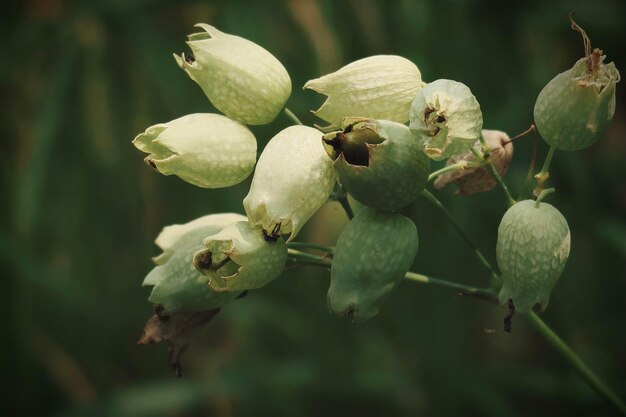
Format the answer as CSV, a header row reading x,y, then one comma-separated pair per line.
x,y
80,210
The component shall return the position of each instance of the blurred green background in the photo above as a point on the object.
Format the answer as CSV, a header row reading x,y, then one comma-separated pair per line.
x,y
80,211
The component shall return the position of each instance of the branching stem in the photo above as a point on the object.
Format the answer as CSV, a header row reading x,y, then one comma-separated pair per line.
x,y
292,116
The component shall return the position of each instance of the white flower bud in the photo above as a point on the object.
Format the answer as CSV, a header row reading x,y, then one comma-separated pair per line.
x,y
204,149
240,78
240,257
177,285
377,87
447,118
293,178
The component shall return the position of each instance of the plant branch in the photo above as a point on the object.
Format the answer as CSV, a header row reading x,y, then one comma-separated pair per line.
x,y
292,116
453,167
575,362
544,174
435,201
486,156
531,168
488,294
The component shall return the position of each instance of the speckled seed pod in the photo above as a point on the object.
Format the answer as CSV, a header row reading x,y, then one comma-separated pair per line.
x,y
240,257
373,253
177,285
204,149
380,163
532,249
293,178
478,179
240,78
377,87
575,107
446,117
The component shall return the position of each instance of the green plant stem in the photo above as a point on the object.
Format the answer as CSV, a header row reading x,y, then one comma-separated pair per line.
x,y
308,245
576,363
435,201
493,170
292,116
452,167
544,174
531,169
488,294
343,200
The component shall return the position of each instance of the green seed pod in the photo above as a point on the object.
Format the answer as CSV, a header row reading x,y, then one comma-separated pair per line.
x,y
474,180
447,118
239,77
240,257
380,163
576,107
532,249
373,253
204,149
178,286
293,178
377,87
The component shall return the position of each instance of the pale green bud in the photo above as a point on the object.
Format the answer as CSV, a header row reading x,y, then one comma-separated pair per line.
x,y
447,118
178,286
240,257
204,149
293,178
373,253
532,249
575,108
240,78
380,163
377,87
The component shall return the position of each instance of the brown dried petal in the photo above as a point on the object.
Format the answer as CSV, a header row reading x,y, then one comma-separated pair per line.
x,y
176,329
476,180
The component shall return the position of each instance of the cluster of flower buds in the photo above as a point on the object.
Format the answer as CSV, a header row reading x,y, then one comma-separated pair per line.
x,y
386,126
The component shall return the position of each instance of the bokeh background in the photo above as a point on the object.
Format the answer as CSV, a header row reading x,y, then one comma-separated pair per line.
x,y
80,210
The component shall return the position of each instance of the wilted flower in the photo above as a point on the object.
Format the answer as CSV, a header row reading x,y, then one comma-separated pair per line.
x,y
447,118
377,87
472,180
293,178
204,149
241,79
240,257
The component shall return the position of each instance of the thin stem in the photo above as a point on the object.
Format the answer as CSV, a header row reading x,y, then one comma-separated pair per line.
x,y
544,174
292,116
343,200
543,195
576,363
492,169
309,245
294,253
452,167
435,201
531,168
484,293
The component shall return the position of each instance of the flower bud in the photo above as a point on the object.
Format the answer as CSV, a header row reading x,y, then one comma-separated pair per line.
x,y
240,258
380,163
293,178
373,253
177,285
447,118
377,87
532,249
204,149
240,78
575,107
478,179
